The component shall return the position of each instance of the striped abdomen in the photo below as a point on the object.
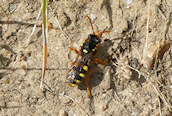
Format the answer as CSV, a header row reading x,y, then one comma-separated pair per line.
x,y
76,74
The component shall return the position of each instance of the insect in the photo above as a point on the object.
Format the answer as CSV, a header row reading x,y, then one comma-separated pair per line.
x,y
79,69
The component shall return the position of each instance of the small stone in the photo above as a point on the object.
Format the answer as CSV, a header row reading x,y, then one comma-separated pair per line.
x,y
62,113
21,87
3,104
63,18
103,107
66,100
39,94
20,71
7,81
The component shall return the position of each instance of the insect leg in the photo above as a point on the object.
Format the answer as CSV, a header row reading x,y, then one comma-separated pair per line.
x,y
87,83
74,49
99,61
72,64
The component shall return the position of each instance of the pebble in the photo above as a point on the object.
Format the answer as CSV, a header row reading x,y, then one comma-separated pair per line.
x,y
62,113
103,107
21,87
66,100
20,71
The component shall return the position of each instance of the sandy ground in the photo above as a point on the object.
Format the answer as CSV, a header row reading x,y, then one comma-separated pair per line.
x,y
117,88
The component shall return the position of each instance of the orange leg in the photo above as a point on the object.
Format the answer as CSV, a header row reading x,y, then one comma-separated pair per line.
x,y
97,46
99,61
87,83
86,40
72,64
74,49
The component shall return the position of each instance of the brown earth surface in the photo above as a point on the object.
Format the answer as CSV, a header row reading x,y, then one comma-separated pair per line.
x,y
118,88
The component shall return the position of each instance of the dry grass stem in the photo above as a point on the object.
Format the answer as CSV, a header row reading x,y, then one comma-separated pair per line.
x,y
166,102
45,41
34,27
147,31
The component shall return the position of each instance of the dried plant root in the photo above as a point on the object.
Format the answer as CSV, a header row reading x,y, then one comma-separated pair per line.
x,y
155,52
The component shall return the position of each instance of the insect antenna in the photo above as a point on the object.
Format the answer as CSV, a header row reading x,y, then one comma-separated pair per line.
x,y
91,24
102,33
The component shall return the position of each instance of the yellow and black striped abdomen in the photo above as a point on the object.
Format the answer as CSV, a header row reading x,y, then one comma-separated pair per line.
x,y
76,74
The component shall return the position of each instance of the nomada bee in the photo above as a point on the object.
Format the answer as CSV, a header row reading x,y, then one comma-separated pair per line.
x,y
79,69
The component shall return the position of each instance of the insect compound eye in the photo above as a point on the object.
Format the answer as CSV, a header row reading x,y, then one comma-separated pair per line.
x,y
93,38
